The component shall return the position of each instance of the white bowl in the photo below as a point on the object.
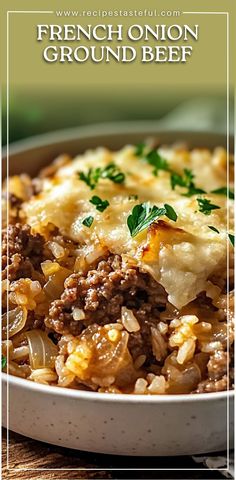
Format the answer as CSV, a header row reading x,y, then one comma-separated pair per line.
x,y
111,423
118,424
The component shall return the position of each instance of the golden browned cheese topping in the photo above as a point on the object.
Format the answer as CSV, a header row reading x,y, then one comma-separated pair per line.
x,y
180,255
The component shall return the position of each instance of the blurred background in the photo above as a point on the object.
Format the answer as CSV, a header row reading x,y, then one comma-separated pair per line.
x,y
33,112
44,97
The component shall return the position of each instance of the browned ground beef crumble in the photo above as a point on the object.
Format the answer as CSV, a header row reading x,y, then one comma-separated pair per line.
x,y
101,293
22,252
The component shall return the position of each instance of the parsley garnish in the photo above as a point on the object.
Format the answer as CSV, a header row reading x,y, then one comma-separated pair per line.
x,y
153,157
170,212
213,228
4,361
139,151
160,163
113,173
100,204
91,178
224,191
142,216
185,180
193,191
231,238
110,172
157,161
87,222
205,206
176,179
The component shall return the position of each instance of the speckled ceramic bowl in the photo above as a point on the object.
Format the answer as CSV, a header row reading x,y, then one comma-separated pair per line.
x,y
118,424
108,423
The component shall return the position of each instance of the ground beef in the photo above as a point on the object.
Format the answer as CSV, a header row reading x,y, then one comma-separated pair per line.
x,y
101,294
217,365
14,205
14,201
24,254
208,386
217,373
35,320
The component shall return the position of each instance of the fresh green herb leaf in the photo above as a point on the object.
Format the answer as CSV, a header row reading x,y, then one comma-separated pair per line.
x,y
224,191
185,180
205,206
192,190
100,204
170,212
4,361
188,176
111,172
231,238
213,228
152,157
91,177
133,197
176,179
158,162
139,151
142,216
87,222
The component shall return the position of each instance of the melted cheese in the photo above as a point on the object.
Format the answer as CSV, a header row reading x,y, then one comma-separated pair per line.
x,y
180,257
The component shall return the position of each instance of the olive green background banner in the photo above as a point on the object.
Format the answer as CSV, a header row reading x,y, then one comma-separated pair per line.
x,y
45,96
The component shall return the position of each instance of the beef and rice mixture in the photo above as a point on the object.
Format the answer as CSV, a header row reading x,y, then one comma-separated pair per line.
x,y
106,325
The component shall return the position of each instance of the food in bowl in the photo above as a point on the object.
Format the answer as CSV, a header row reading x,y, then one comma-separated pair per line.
x,y
118,272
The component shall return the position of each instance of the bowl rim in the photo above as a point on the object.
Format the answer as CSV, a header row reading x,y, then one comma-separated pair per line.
x,y
83,132
97,129
11,380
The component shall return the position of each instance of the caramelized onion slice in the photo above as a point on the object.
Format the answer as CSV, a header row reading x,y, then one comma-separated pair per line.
x,y
42,351
181,378
49,268
55,284
16,322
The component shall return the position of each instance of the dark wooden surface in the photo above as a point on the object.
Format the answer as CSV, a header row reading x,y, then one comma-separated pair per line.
x,y
27,453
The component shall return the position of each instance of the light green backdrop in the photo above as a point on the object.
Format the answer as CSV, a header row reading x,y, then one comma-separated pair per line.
x,y
50,96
